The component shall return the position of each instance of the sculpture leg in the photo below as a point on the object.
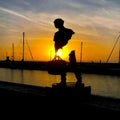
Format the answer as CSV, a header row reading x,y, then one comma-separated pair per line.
x,y
63,77
74,67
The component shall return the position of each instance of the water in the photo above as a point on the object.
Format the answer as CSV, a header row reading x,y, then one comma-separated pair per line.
x,y
103,85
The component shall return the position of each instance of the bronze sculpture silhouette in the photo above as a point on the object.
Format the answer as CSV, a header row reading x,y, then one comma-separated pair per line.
x,y
58,66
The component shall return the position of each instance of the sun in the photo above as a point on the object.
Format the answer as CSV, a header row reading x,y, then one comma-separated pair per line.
x,y
59,52
62,53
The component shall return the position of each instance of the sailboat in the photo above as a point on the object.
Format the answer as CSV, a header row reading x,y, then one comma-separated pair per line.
x,y
22,64
103,68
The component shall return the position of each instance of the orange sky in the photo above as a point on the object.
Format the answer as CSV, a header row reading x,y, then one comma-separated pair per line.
x,y
42,49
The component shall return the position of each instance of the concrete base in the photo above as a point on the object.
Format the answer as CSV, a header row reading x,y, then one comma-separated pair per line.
x,y
71,89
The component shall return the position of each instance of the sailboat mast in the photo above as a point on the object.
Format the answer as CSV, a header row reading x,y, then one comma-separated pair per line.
x,y
113,48
23,45
119,52
81,52
12,51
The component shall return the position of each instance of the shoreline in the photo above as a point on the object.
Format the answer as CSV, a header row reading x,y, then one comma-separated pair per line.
x,y
84,67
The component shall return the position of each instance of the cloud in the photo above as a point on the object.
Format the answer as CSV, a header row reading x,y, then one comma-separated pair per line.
x,y
74,12
114,1
91,3
14,13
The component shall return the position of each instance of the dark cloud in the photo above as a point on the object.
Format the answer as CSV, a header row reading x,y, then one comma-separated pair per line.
x,y
34,5
114,1
53,6
92,3
48,5
15,4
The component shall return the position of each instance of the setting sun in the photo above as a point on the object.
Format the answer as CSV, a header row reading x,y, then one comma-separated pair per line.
x,y
59,52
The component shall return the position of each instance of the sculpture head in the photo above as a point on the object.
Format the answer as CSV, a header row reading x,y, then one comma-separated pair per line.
x,y
58,23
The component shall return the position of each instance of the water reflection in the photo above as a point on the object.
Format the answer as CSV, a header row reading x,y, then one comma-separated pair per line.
x,y
103,85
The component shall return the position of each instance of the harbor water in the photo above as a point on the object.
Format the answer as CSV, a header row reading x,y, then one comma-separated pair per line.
x,y
103,85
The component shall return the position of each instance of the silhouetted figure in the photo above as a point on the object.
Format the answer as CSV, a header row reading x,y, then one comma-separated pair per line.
x,y
61,38
63,34
73,65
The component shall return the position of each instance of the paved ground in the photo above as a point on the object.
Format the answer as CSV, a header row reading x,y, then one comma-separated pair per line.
x,y
91,103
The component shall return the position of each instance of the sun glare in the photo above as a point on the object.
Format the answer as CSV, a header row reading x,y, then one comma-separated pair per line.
x,y
62,53
59,52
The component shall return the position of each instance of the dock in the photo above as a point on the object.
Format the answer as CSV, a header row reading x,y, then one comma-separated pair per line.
x,y
17,89
87,101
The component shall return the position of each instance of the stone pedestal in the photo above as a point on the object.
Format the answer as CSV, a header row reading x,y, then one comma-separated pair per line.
x,y
71,89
